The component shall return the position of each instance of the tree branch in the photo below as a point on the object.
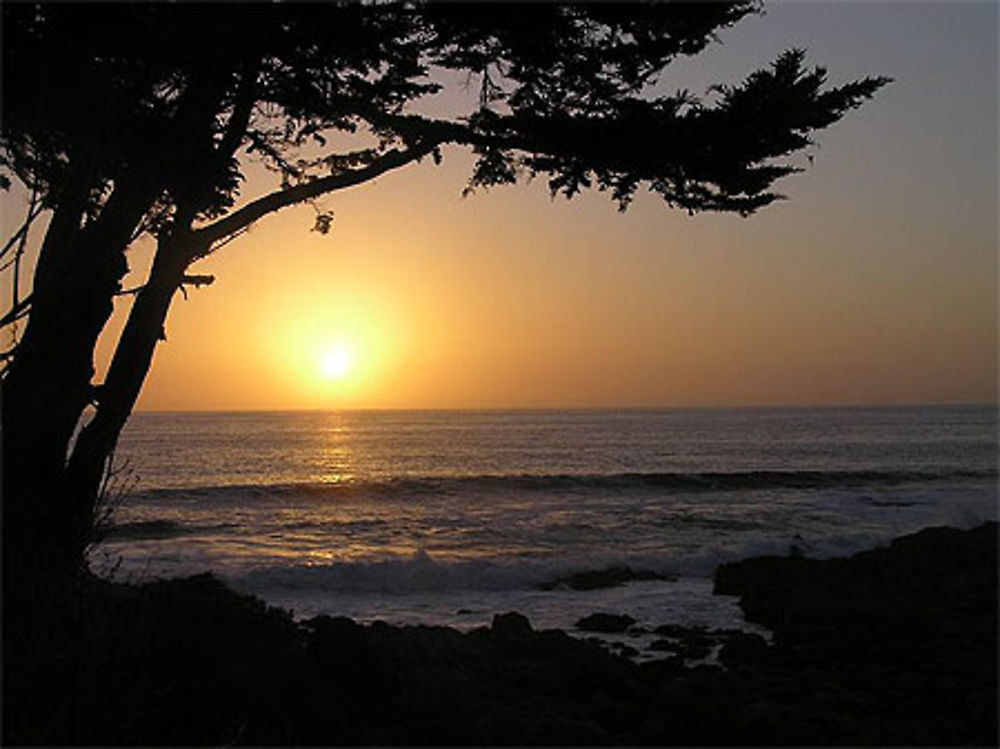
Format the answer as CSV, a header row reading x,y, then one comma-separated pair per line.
x,y
282,198
19,253
19,310
236,127
226,240
260,143
33,213
9,354
196,281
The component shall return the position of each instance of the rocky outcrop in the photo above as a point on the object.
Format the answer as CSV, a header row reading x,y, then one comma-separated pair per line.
x,y
894,647
605,623
906,634
611,577
934,583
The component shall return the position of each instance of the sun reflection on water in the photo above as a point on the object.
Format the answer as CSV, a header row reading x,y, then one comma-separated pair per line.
x,y
336,454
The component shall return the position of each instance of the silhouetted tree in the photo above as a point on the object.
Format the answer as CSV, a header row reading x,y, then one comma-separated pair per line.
x,y
128,119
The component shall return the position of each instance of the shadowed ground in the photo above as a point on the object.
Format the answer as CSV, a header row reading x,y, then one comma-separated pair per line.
x,y
892,646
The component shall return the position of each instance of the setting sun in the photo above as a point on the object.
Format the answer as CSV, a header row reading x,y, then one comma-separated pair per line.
x,y
336,362
328,345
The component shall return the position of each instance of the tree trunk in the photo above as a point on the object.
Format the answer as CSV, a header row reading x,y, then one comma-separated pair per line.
x,y
129,367
48,499
48,385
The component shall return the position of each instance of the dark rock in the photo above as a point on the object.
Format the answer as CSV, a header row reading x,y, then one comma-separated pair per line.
x,y
763,720
626,650
663,670
676,630
512,632
694,643
190,662
936,576
743,649
695,649
511,626
607,578
897,632
665,646
605,623
724,633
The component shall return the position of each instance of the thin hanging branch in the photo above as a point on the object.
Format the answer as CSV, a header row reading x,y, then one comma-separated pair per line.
x,y
236,127
133,290
19,307
35,209
18,254
196,281
9,262
10,352
16,312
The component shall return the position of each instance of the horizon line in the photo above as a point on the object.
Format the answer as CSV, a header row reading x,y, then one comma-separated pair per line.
x,y
759,406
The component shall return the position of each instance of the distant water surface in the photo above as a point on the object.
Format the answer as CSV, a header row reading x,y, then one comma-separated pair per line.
x,y
447,517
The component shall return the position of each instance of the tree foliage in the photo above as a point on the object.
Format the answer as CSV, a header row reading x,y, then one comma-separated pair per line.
x,y
129,119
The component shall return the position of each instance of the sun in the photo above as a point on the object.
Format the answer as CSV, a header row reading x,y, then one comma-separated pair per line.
x,y
336,363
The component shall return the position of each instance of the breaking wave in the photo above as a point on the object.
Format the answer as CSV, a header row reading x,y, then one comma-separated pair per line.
x,y
582,484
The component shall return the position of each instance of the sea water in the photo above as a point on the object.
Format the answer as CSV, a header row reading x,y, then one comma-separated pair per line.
x,y
448,517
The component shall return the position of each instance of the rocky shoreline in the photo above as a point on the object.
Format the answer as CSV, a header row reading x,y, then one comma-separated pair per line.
x,y
895,646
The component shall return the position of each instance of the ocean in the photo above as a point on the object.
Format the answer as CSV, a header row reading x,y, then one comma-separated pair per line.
x,y
448,517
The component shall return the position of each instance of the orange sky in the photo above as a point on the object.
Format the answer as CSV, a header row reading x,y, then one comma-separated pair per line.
x,y
875,283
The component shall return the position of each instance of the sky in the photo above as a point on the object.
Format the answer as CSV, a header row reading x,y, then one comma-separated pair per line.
x,y
874,283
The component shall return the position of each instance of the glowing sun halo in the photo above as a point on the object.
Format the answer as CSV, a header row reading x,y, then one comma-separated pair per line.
x,y
336,363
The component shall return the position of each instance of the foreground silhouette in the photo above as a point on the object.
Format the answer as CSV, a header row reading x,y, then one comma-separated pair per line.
x,y
891,647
